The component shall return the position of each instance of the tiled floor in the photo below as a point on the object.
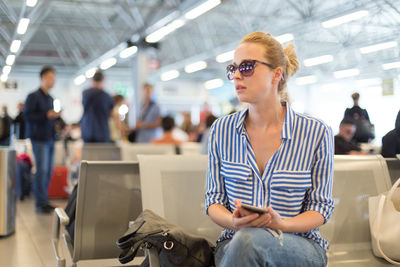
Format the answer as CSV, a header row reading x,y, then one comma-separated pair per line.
x,y
30,245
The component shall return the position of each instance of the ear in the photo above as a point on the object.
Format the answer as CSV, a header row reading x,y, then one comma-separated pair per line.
x,y
277,75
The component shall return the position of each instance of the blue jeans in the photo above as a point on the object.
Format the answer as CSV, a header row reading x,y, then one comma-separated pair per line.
x,y
44,158
258,247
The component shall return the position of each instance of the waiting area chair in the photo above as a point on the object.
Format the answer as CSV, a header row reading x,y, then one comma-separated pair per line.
x,y
130,151
101,151
173,186
394,168
109,196
355,179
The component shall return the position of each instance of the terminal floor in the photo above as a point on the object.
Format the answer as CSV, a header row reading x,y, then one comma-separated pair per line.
x,y
30,245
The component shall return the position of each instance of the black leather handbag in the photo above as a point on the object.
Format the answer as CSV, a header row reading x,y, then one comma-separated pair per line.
x,y
175,246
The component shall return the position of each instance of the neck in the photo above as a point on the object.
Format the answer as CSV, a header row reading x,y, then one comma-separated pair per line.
x,y
44,88
266,114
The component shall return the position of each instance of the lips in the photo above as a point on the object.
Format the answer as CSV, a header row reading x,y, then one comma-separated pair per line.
x,y
240,88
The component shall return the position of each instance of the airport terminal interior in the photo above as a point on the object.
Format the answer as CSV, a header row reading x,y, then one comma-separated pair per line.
x,y
157,74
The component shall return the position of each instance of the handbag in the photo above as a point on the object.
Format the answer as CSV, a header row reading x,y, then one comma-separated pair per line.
x,y
174,245
384,221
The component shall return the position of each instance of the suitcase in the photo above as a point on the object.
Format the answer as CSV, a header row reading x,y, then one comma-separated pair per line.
x,y
58,183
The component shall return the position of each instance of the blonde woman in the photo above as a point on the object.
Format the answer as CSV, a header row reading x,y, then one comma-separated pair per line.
x,y
269,156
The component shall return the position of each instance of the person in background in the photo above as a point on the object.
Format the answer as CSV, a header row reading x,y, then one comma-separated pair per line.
x,y
118,128
97,108
265,156
40,128
5,133
168,125
364,129
19,122
149,117
343,144
204,138
391,141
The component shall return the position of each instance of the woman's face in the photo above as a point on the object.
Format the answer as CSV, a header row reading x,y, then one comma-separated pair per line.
x,y
264,81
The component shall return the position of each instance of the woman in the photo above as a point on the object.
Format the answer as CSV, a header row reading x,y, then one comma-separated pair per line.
x,y
270,156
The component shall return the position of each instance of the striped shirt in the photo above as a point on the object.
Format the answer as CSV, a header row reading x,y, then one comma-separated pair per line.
x,y
297,178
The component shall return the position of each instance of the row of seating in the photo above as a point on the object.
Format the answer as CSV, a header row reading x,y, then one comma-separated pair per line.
x,y
112,193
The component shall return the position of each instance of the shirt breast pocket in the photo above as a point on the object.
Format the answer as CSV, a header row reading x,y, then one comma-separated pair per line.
x,y
238,179
293,184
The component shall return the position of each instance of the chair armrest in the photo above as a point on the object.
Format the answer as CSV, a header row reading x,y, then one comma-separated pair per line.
x,y
59,218
152,254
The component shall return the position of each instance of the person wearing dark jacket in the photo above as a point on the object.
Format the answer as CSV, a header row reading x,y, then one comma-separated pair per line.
x,y
19,122
40,119
391,141
5,133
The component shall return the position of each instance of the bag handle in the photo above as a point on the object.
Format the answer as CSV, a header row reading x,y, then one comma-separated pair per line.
x,y
382,200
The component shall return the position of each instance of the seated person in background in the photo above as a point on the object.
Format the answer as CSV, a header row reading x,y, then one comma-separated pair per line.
x,y
343,144
167,124
391,141
271,156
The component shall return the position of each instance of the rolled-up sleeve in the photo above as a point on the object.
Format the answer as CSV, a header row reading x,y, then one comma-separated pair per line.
x,y
215,192
319,197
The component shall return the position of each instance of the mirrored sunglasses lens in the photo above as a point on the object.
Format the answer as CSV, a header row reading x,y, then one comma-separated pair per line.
x,y
230,72
246,68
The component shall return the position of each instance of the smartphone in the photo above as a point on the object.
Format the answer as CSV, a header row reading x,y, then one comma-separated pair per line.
x,y
254,208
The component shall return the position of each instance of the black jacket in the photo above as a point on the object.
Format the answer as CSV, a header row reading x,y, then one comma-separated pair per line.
x,y
391,141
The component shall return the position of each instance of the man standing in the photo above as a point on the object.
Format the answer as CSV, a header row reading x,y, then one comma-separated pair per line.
x,y
97,108
149,117
40,118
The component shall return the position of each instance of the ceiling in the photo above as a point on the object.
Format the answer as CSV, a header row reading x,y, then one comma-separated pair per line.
x,y
73,34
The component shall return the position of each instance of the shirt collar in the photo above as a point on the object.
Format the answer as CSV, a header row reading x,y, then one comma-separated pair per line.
x,y
288,124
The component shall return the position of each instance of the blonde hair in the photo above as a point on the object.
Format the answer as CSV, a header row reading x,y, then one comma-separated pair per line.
x,y
277,56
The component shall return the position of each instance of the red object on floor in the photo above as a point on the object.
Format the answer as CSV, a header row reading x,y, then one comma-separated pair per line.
x,y
58,183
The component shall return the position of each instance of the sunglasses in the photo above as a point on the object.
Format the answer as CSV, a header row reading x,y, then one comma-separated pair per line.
x,y
246,68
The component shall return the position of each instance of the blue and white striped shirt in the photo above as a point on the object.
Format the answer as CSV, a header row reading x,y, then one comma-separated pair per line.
x,y
297,178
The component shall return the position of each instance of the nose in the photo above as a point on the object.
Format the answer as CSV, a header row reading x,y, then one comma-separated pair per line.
x,y
237,75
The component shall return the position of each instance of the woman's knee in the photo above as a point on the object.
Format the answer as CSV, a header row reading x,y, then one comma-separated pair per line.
x,y
250,238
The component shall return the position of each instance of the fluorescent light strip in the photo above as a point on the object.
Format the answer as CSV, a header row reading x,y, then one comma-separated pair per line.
x,y
344,19
199,65
127,52
368,82
201,9
392,65
377,47
80,79
318,60
224,57
346,73
6,70
31,3
169,75
15,45
164,31
23,25
215,83
108,63
3,78
90,73
284,38
10,60
306,80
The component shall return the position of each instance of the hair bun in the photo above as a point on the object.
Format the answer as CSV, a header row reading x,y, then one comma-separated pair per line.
x,y
292,64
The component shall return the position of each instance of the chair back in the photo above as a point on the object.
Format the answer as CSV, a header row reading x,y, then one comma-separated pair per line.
x,y
101,151
130,151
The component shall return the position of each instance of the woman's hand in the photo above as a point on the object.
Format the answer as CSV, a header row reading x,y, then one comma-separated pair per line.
x,y
242,218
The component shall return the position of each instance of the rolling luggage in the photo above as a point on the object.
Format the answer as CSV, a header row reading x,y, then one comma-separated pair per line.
x,y
58,183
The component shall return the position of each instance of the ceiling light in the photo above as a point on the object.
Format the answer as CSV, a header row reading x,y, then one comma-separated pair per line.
x,y
80,79
377,47
23,25
306,80
15,45
90,72
392,65
169,75
284,38
163,31
225,56
31,3
346,73
108,63
201,9
344,19
6,70
199,65
211,84
127,52
10,60
318,60
3,78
